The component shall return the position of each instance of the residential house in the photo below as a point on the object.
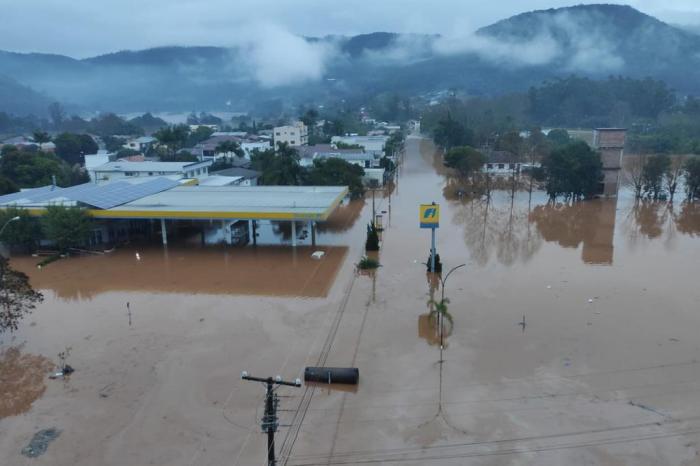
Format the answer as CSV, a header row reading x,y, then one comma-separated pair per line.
x,y
244,176
111,171
141,144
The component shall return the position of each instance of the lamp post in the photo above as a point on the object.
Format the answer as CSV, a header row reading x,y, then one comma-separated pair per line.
x,y
442,302
13,219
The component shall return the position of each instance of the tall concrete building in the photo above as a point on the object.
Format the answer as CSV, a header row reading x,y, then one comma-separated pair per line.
x,y
610,142
295,135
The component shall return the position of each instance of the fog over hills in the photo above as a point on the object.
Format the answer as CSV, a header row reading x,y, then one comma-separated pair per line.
x,y
268,63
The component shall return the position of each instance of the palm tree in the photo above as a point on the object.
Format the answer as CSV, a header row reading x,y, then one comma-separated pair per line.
x,y
41,137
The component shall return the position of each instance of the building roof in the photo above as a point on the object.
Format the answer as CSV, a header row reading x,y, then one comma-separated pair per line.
x,y
238,171
235,202
218,180
102,196
144,139
148,166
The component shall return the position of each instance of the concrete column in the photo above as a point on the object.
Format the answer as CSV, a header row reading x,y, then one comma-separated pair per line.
x,y
294,234
251,233
163,232
226,238
312,227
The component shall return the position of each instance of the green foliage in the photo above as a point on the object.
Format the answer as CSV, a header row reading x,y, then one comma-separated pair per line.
x,y
109,124
387,164
395,143
558,138
27,169
392,107
172,138
179,156
202,133
66,226
203,119
148,123
653,173
113,144
573,171
367,263
450,133
73,147
17,297
41,137
337,172
342,145
372,242
226,147
125,152
220,164
279,167
692,178
25,232
7,186
466,160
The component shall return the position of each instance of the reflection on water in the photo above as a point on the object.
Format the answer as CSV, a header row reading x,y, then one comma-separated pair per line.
x,y
591,223
271,271
688,222
343,217
499,227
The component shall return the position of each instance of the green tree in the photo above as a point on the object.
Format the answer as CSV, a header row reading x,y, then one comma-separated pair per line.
x,y
466,160
109,124
573,171
372,241
692,178
450,133
172,138
558,138
41,137
33,169
653,174
333,171
230,147
17,297
279,167
73,147
7,186
202,133
66,226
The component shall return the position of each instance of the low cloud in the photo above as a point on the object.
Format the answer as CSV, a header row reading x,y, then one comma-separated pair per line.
x,y
276,57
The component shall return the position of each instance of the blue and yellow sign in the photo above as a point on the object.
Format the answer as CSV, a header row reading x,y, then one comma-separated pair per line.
x,y
429,215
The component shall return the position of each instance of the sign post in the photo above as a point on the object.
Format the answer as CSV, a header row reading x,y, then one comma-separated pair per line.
x,y
430,218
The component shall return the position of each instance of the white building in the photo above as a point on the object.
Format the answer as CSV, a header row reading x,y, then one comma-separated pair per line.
x,y
93,161
141,144
368,143
294,135
250,146
180,170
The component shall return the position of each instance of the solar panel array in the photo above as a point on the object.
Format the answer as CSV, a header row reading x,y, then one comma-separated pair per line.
x,y
100,196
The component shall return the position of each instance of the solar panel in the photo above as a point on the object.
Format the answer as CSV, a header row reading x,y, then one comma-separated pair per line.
x,y
30,194
115,194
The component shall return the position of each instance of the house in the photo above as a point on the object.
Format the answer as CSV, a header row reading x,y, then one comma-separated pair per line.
x,y
294,135
368,143
502,163
245,177
308,154
142,144
111,171
93,161
207,149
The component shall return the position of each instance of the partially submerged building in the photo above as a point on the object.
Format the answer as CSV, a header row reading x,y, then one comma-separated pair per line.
x,y
610,142
159,205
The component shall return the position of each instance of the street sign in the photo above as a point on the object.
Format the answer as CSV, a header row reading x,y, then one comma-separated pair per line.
x,y
429,216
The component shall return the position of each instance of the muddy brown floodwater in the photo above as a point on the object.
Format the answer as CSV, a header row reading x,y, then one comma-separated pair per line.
x,y
572,340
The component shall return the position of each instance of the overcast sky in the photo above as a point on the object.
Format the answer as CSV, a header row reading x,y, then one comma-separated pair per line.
x,y
83,28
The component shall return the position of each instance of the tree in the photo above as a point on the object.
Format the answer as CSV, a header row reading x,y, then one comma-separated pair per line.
x,y
7,186
558,137
466,160
230,147
41,137
66,226
109,124
673,176
33,169
172,138
372,242
73,147
653,175
279,167
202,133
17,297
450,133
573,171
692,178
337,172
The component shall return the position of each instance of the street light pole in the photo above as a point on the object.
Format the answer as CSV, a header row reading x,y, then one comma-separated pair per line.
x,y
13,219
442,302
269,420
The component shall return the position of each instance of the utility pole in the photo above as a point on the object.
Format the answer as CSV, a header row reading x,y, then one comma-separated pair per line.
x,y
269,420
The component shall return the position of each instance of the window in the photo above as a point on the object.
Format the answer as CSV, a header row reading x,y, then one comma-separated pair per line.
x,y
128,173
489,166
292,142
277,134
150,173
511,166
501,166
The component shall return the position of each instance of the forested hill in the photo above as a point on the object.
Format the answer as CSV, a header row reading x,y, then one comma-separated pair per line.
x,y
511,55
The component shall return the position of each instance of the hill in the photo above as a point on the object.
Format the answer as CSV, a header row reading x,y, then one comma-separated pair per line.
x,y
510,55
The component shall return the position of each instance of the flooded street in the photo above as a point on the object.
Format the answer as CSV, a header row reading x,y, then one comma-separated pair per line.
x,y
573,340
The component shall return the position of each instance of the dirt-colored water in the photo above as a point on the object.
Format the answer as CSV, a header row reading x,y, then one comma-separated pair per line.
x,y
22,380
573,341
271,271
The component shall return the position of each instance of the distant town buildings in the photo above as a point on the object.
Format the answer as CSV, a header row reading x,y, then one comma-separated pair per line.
x,y
294,135
117,170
